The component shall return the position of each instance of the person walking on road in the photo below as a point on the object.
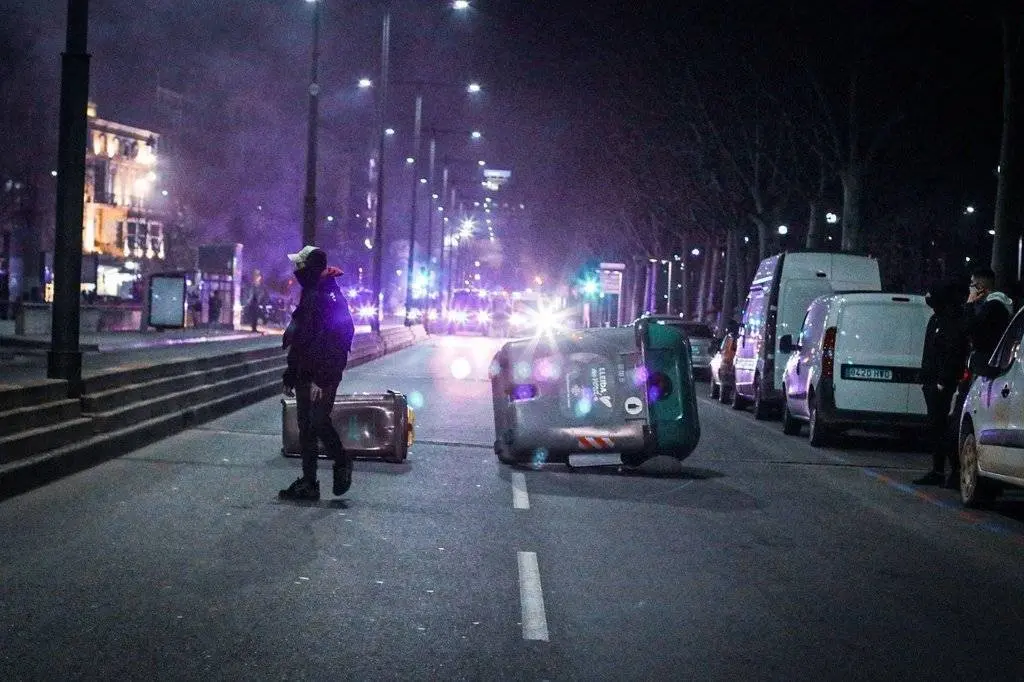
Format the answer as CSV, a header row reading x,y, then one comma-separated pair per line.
x,y
988,314
318,339
942,365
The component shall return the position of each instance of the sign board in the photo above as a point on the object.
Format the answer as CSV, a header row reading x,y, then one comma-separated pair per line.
x,y
611,282
167,301
217,259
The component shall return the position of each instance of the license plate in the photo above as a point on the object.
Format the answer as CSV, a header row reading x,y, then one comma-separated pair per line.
x,y
868,373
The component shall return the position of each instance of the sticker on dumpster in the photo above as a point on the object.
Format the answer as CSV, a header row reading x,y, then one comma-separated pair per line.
x,y
589,385
599,384
634,405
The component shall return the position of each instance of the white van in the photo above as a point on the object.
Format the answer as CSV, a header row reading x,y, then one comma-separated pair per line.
x,y
856,364
783,287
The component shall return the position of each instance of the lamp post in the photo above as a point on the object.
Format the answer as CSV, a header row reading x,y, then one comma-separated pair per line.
x,y
64,359
378,221
417,122
309,205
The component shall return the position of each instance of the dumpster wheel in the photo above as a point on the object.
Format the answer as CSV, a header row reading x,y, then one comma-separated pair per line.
x,y
633,459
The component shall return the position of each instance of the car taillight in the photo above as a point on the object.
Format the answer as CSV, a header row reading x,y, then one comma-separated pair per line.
x,y
828,353
965,378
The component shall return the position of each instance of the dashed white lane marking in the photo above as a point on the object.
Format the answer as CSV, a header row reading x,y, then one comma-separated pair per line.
x,y
535,623
520,498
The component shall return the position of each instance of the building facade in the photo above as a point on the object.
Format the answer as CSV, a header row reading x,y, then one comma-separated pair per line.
x,y
124,218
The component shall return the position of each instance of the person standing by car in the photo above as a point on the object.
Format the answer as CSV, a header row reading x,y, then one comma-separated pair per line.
x,y
318,339
942,365
988,314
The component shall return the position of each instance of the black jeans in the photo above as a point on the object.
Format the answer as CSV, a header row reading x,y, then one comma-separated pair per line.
x,y
939,424
315,425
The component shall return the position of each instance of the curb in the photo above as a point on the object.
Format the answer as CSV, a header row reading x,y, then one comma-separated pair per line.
x,y
29,473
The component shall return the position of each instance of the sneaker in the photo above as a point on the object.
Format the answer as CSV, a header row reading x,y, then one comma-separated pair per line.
x,y
301,489
342,476
931,478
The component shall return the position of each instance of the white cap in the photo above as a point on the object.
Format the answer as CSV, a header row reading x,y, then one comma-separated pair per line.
x,y
299,259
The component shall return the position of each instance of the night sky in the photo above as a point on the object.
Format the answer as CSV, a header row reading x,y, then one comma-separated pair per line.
x,y
563,81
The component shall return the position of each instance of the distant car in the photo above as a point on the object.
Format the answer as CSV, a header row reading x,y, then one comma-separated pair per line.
x,y
703,343
723,370
469,311
991,430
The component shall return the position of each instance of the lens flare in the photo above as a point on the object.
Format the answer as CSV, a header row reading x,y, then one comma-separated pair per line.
x,y
461,368
583,406
522,371
416,400
540,457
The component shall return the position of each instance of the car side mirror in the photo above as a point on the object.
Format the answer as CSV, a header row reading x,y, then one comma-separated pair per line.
x,y
786,344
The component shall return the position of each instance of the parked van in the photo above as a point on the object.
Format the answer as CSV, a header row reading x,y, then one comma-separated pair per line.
x,y
784,285
856,364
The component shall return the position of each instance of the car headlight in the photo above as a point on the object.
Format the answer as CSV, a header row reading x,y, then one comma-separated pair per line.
x,y
483,317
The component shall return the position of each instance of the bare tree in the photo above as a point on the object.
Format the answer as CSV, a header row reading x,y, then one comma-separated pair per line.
x,y
1009,213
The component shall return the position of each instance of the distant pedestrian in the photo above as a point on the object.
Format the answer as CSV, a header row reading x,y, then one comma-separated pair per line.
x,y
942,365
252,311
215,308
318,339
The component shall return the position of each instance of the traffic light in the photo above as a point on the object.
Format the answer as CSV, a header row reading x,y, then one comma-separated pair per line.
x,y
588,281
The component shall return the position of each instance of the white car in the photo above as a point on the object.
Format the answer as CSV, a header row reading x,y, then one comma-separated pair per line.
x,y
992,423
856,365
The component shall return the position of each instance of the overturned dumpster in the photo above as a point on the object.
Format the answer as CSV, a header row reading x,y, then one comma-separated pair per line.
x,y
626,390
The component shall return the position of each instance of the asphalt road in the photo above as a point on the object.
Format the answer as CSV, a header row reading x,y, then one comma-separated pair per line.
x,y
761,558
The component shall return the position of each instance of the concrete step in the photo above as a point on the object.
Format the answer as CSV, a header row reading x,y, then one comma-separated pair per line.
x,y
121,396
34,416
35,470
26,443
143,410
142,372
34,393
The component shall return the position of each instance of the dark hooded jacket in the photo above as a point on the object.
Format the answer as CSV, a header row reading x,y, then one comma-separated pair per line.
x,y
945,342
986,321
319,336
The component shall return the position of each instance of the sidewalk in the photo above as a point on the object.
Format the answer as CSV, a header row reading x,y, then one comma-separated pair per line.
x,y
23,358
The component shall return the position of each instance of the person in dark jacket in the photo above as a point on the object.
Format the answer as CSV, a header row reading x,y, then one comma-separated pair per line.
x,y
318,339
942,365
988,314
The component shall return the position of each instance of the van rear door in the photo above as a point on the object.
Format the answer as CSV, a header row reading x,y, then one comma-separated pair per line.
x,y
878,354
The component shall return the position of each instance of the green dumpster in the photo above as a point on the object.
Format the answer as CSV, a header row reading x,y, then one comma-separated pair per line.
x,y
626,390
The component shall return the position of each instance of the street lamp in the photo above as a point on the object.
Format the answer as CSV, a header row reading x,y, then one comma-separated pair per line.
x,y
460,4
378,221
64,359
473,88
365,83
309,205
783,230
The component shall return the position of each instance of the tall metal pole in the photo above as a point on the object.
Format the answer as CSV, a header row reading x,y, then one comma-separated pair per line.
x,y
444,238
64,359
309,206
430,227
378,222
412,218
453,249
